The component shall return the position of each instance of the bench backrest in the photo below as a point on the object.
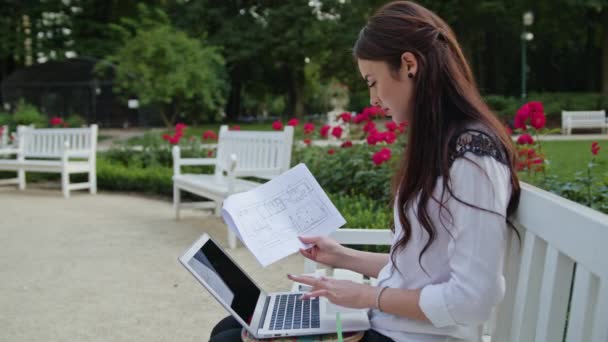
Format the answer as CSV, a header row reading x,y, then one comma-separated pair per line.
x,y
260,154
593,115
561,265
51,142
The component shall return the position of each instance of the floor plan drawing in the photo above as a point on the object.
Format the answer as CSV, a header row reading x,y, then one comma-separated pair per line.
x,y
270,218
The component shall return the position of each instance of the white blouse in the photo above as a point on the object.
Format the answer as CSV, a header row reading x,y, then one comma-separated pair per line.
x,y
466,279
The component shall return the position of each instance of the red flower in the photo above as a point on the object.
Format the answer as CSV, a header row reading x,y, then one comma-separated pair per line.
x,y
391,126
520,166
293,122
347,144
307,141
166,137
381,156
508,129
595,148
277,125
180,127
389,137
174,140
309,128
374,137
369,126
56,121
210,153
324,130
336,132
209,135
235,128
532,110
361,117
331,151
346,116
525,139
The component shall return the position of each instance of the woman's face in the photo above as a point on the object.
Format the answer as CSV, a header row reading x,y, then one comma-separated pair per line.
x,y
394,92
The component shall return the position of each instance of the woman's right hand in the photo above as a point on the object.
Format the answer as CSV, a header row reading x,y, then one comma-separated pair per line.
x,y
326,250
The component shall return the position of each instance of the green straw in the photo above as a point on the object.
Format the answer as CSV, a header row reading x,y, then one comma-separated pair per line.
x,y
339,327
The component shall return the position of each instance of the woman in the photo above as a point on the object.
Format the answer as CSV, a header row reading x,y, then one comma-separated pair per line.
x,y
453,191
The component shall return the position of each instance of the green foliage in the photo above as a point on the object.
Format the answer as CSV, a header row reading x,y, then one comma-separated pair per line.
x,y
75,120
5,119
506,106
117,177
350,171
161,65
27,114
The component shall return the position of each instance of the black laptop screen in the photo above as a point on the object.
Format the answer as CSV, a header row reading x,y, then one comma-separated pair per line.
x,y
226,279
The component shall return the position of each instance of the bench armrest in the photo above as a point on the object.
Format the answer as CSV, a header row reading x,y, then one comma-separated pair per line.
x,y
178,161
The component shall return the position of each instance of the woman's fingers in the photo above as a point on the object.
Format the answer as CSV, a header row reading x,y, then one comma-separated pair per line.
x,y
316,293
312,281
309,239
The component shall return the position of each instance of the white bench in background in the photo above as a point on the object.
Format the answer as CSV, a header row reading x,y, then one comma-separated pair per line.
x,y
584,119
4,136
54,150
259,154
558,236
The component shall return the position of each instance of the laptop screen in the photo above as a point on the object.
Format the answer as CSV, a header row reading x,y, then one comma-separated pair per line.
x,y
226,279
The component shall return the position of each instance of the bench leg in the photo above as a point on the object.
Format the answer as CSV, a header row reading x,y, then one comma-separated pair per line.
x,y
93,182
21,179
218,209
65,183
231,239
176,201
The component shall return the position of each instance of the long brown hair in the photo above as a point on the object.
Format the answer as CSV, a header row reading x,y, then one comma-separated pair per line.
x,y
445,98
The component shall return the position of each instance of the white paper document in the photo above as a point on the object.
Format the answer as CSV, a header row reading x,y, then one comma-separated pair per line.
x,y
269,218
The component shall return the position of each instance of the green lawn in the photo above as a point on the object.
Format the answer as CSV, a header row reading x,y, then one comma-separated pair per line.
x,y
568,157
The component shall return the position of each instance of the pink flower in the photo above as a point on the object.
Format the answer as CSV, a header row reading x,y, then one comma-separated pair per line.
x,y
324,130
307,141
277,125
360,118
391,126
525,139
309,128
56,121
336,132
293,122
381,156
180,127
209,135
347,144
374,137
331,151
174,140
346,117
538,120
235,128
595,148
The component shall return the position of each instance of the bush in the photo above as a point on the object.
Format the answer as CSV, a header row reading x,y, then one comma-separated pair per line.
x,y
75,120
27,114
554,103
350,171
151,180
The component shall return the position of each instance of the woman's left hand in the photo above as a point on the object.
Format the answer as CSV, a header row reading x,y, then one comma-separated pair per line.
x,y
340,292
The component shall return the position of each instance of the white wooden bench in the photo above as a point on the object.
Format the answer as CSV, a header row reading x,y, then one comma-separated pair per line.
x,y
4,136
54,150
239,154
559,236
584,119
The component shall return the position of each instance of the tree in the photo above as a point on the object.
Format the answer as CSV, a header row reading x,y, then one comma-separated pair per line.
x,y
163,66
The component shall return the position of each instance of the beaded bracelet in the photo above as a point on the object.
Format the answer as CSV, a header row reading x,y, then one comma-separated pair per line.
x,y
378,298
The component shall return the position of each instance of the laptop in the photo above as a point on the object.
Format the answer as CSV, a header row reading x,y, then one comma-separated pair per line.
x,y
264,314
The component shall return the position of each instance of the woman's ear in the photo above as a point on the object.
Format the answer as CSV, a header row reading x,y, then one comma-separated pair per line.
x,y
409,65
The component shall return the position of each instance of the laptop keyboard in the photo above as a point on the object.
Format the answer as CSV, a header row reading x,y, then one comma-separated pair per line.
x,y
290,312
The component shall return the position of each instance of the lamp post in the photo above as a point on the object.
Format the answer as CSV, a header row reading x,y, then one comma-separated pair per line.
x,y
528,19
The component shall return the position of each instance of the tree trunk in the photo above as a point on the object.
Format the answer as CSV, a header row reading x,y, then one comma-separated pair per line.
x,y
296,93
233,106
604,57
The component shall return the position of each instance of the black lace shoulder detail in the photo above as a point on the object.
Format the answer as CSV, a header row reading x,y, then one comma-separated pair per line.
x,y
477,142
